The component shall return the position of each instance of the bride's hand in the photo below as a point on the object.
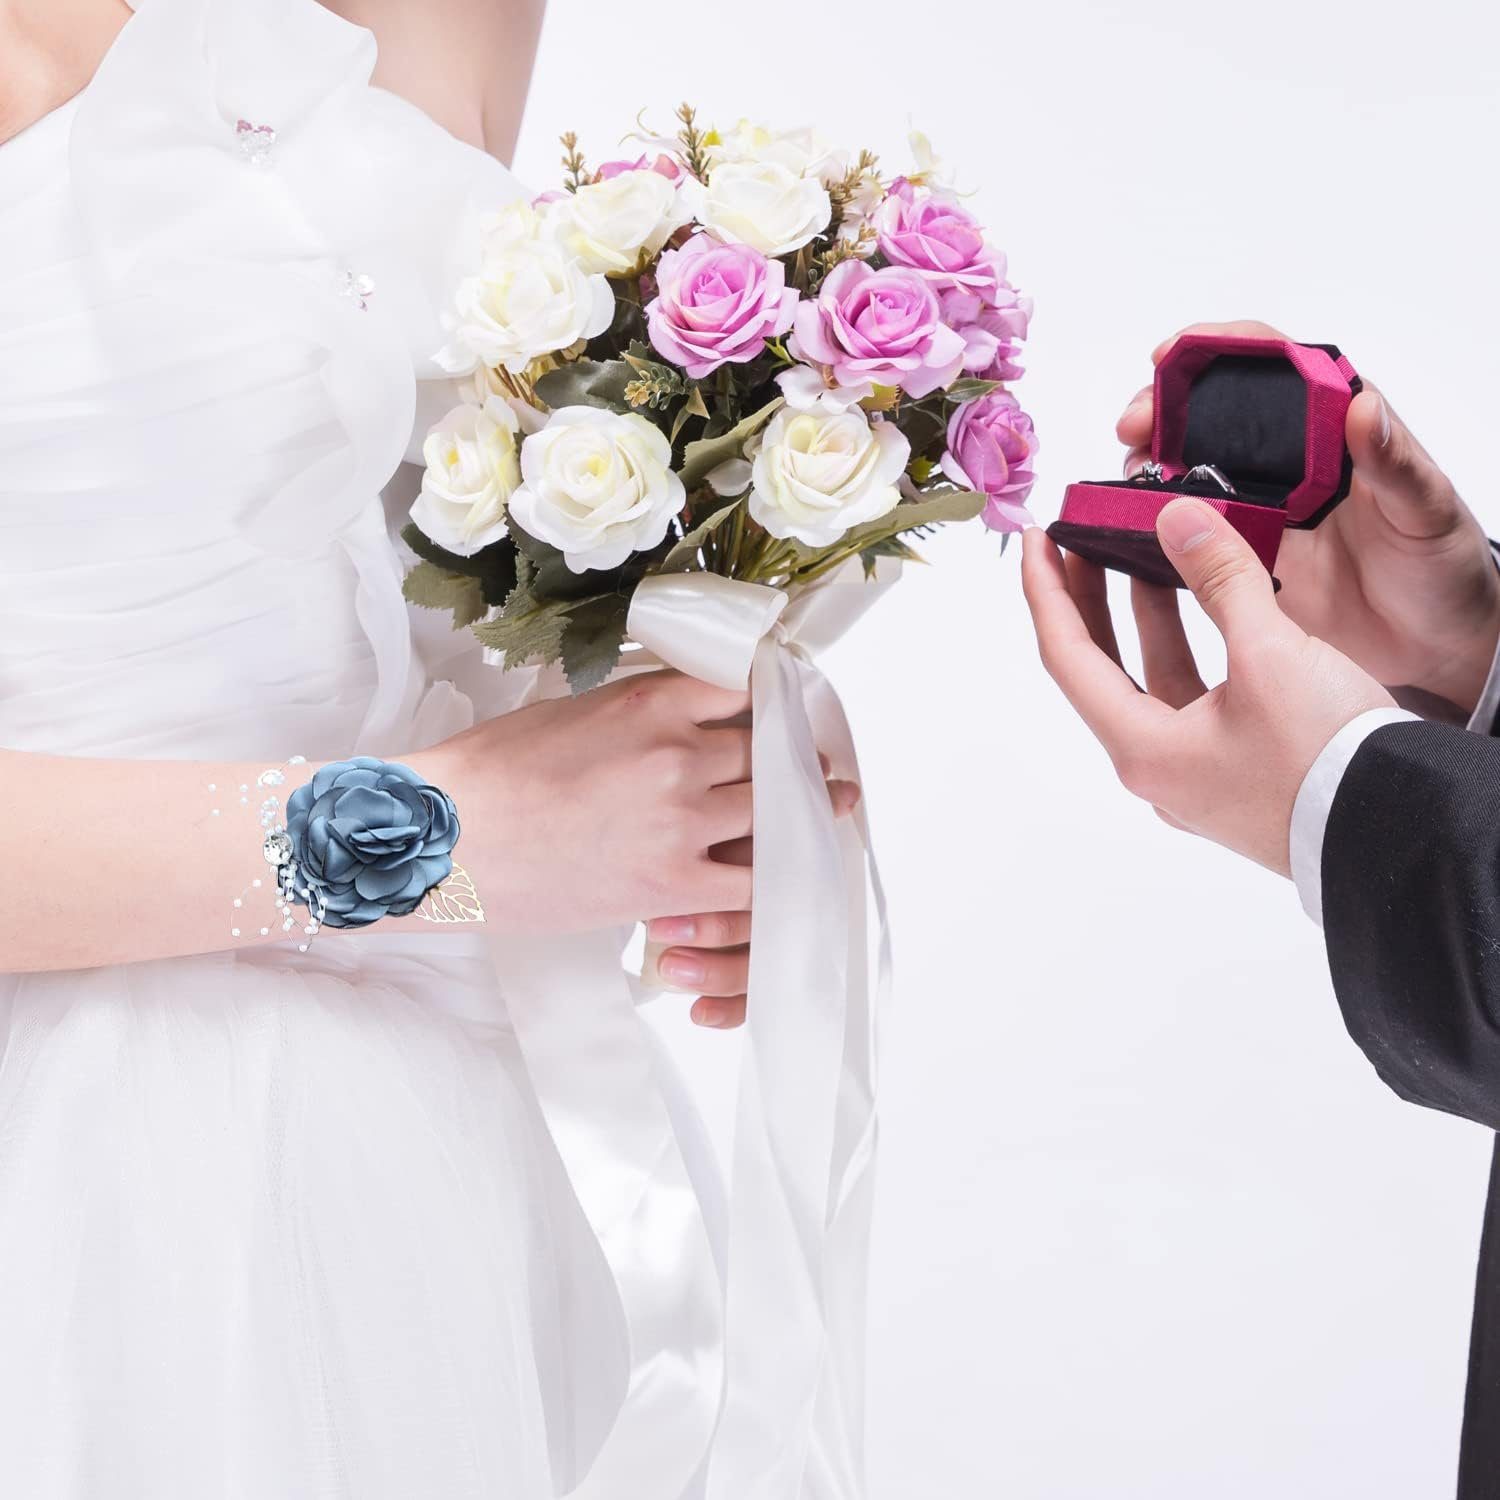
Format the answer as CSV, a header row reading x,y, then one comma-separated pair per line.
x,y
585,812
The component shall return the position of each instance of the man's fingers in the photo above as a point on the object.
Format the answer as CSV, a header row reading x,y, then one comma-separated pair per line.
x,y
1087,585
1243,328
1166,656
1134,427
1413,494
1226,577
1104,696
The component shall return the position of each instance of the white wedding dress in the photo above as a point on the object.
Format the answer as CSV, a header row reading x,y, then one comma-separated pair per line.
x,y
397,1217
271,1224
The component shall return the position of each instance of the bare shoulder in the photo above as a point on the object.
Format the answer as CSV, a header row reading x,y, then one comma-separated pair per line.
x,y
467,63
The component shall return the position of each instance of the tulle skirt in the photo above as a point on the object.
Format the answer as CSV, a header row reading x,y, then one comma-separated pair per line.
x,y
281,1225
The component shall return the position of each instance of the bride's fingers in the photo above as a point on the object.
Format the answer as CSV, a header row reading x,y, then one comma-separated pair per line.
x,y
706,972
734,809
721,1014
715,929
728,814
1167,658
728,758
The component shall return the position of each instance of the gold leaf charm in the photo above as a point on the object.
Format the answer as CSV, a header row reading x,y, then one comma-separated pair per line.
x,y
454,900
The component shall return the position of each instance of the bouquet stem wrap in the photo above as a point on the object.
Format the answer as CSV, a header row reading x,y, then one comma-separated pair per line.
x,y
750,1385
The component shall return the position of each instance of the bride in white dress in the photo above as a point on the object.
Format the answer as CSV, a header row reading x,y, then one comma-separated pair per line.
x,y
278,1223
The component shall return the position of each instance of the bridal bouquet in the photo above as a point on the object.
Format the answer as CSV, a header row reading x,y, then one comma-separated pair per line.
x,y
716,391
742,353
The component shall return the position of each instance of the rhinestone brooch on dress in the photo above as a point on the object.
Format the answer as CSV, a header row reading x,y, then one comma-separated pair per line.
x,y
358,289
256,142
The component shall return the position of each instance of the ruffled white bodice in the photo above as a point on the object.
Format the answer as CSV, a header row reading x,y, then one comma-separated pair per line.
x,y
211,357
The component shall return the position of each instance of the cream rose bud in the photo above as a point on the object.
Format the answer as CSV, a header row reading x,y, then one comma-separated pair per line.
x,y
610,225
598,485
531,298
821,471
473,468
764,204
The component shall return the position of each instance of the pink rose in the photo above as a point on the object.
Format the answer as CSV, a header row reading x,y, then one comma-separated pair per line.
x,y
717,304
992,332
991,444
663,166
878,328
938,240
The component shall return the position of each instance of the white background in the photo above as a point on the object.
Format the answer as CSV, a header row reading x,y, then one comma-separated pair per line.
x,y
1148,1225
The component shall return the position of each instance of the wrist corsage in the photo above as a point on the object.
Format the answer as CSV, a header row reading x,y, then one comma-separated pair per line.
x,y
363,839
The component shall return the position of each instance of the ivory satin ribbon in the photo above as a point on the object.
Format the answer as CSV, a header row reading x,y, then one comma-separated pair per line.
x,y
748,1387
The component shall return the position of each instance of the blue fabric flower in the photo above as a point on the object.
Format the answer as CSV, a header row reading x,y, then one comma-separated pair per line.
x,y
372,838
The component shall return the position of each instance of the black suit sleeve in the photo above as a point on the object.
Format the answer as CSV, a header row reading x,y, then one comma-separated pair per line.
x,y
1411,913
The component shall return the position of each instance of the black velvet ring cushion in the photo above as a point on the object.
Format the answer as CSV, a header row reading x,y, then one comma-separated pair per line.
x,y
1267,414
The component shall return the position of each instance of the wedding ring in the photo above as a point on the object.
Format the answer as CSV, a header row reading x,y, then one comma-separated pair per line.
x,y
1207,473
1150,470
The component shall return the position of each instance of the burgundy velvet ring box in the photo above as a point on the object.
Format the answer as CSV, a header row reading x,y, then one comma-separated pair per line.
x,y
1255,427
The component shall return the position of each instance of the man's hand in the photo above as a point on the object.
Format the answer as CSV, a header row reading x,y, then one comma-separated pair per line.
x,y
1400,576
1225,762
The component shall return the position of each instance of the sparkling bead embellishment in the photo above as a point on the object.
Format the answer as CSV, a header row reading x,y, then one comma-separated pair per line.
x,y
358,289
256,142
277,848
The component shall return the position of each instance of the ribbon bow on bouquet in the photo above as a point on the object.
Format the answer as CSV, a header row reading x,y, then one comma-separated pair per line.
x,y
754,1379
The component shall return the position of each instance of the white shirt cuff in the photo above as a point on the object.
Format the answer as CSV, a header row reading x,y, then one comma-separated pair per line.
x,y
1315,802
1483,716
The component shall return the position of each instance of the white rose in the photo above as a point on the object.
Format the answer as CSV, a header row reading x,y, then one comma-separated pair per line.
x,y
610,225
763,204
804,151
473,468
819,472
515,224
531,298
598,485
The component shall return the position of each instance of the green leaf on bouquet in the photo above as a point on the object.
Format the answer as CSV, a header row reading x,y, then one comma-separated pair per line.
x,y
527,629
971,390
588,382
683,557
656,384
494,566
924,424
591,640
890,546
701,458
550,577
694,406
433,587
533,635
937,509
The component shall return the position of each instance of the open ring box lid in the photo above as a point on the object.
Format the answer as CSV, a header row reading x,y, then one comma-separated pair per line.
x,y
1267,413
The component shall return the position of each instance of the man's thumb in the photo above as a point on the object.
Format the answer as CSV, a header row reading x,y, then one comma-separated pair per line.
x,y
1218,565
1413,494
